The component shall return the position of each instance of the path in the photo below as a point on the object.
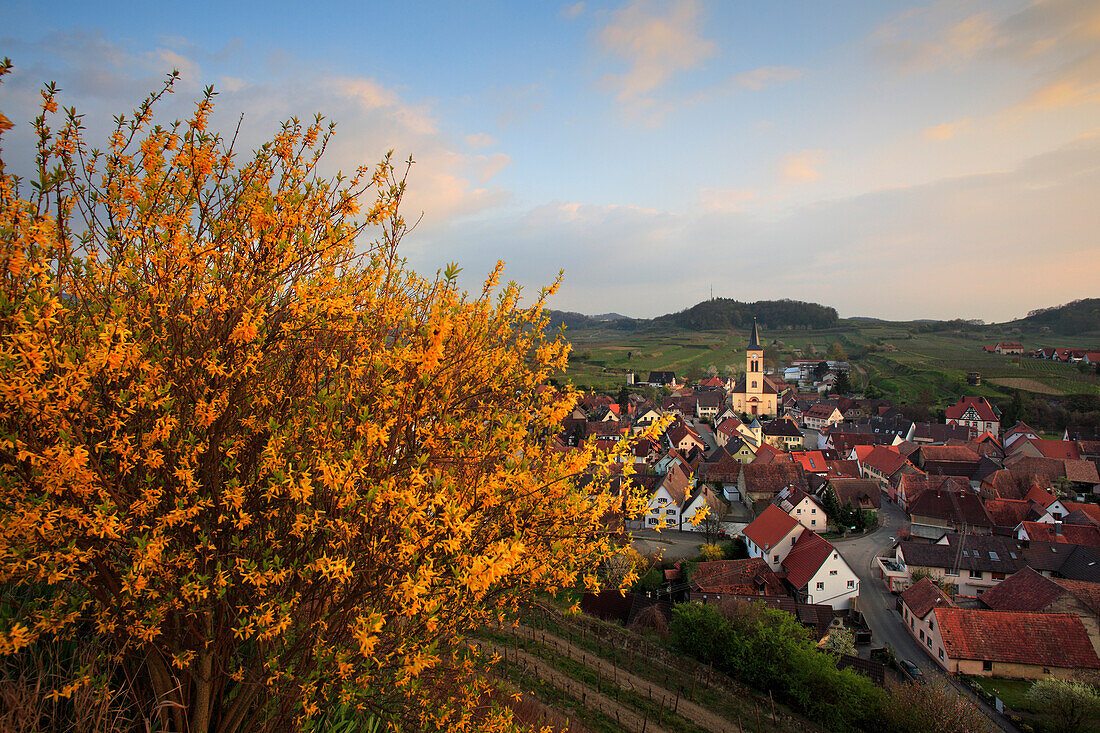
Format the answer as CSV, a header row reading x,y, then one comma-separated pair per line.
x,y
687,709
582,693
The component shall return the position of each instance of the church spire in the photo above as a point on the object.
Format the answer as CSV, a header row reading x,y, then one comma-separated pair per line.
x,y
754,340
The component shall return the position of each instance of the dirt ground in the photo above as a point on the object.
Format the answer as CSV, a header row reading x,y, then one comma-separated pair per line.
x,y
1027,384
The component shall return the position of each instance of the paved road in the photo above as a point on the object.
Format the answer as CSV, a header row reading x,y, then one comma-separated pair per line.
x,y
879,606
671,544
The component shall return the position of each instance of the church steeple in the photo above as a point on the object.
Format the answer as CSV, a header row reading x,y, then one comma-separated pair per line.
x,y
754,340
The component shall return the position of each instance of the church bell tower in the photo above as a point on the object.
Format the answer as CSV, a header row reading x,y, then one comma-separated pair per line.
x,y
754,364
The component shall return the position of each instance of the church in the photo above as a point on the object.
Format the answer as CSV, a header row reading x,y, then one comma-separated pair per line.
x,y
755,394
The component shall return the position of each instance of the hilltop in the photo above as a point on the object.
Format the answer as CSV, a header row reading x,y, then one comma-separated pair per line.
x,y
1076,317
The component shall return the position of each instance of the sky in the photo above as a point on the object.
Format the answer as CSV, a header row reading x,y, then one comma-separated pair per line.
x,y
891,159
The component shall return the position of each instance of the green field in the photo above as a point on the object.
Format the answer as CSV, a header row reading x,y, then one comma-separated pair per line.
x,y
898,358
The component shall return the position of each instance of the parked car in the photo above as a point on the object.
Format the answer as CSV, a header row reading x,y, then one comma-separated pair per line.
x,y
912,670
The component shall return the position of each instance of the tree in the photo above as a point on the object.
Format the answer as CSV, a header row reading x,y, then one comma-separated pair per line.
x,y
836,352
254,461
931,708
1069,704
624,401
843,382
840,642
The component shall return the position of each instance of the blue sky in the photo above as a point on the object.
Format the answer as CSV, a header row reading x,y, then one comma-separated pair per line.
x,y
900,160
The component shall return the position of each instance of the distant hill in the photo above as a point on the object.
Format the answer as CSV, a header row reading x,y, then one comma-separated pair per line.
x,y
1080,316
576,321
722,314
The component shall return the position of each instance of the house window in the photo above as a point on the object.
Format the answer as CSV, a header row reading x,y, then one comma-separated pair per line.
x,y
950,571
775,558
987,666
821,586
813,522
670,511
931,624
922,635
941,654
976,574
832,572
998,576
929,641
851,584
813,511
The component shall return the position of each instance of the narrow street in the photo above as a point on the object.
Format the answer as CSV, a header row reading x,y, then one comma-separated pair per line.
x,y
879,606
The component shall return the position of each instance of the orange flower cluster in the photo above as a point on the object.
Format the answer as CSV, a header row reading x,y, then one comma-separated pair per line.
x,y
255,457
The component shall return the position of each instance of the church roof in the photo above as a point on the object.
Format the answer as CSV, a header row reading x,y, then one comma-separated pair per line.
x,y
754,340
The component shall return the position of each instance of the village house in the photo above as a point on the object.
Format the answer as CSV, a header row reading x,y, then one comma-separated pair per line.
x,y
1027,590
976,413
1009,347
782,434
707,404
771,536
818,574
683,437
806,509
694,518
863,494
662,379
669,498
1012,644
935,512
721,472
883,463
917,603
763,481
821,416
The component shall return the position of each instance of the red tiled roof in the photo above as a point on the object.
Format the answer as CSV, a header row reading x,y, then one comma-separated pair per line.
x,y
857,491
913,485
1042,639
771,478
848,469
1086,592
983,409
1025,590
821,412
948,453
811,460
923,596
770,527
1093,510
806,557
1007,512
746,577
1072,534
1082,472
885,460
1060,449
959,507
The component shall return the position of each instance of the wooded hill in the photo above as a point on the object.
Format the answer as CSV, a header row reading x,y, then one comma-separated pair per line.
x,y
718,314
1080,317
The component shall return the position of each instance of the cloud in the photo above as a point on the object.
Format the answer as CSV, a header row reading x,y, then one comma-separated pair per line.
x,y
480,140
933,37
654,46
946,130
103,78
714,199
910,252
802,167
492,164
569,12
765,76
